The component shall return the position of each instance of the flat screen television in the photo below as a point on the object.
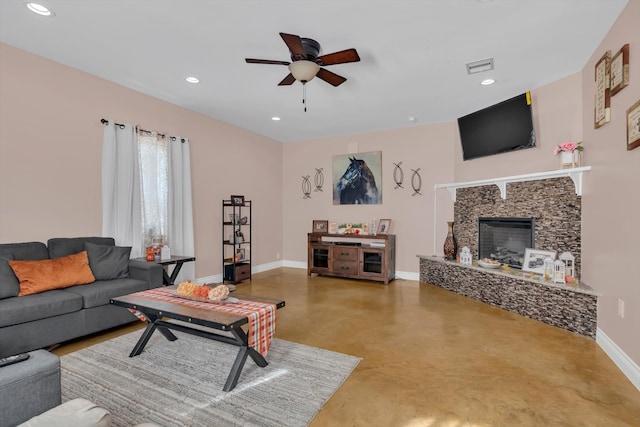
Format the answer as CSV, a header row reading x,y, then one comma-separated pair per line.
x,y
501,128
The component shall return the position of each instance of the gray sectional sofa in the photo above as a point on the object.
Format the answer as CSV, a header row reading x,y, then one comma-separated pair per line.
x,y
39,320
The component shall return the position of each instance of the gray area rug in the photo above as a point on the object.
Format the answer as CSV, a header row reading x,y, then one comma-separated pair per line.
x,y
180,383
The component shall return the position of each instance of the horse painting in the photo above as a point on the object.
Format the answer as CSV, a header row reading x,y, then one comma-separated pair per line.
x,y
357,186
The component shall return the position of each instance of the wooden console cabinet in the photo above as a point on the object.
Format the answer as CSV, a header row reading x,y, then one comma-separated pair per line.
x,y
352,256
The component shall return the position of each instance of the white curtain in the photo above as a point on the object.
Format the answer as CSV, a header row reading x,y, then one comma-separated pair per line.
x,y
121,211
180,212
146,190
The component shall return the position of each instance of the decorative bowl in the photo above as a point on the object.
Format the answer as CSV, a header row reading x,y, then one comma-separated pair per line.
x,y
488,264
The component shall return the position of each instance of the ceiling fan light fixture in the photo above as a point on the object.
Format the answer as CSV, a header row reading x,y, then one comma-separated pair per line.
x,y
304,70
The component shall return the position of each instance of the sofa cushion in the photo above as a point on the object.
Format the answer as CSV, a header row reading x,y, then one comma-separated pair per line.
x,y
46,274
101,292
63,246
14,311
108,262
25,250
9,284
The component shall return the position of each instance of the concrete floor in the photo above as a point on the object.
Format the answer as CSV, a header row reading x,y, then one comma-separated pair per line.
x,y
433,358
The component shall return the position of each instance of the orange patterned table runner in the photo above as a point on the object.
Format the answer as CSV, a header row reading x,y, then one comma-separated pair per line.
x,y
262,316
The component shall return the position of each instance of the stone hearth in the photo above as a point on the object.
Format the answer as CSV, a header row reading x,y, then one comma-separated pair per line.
x,y
570,308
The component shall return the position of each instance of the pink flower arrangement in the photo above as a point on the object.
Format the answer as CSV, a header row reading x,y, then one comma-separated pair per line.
x,y
569,147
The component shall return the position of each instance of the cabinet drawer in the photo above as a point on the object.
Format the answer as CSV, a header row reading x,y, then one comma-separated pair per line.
x,y
349,268
345,253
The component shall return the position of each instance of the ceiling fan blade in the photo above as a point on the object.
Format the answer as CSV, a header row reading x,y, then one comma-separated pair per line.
x,y
342,57
289,80
265,61
331,78
294,44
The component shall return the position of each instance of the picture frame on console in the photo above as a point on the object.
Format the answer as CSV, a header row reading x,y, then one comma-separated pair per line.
x,y
383,226
534,260
320,226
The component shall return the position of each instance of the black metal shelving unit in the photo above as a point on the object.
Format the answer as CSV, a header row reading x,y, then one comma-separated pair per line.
x,y
236,241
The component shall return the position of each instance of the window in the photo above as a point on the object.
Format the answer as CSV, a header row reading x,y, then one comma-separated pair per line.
x,y
153,152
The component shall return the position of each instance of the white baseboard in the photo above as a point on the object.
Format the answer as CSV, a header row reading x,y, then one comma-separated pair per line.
x,y
217,278
628,367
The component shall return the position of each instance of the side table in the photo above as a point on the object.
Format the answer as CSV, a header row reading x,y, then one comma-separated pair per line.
x,y
177,260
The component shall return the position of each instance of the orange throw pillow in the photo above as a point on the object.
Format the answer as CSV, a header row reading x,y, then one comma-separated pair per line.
x,y
46,274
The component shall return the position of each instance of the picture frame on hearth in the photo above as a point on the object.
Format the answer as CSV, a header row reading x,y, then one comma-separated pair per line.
x,y
534,260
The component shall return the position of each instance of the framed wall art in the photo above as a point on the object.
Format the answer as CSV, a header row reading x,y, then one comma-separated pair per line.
x,y
620,70
602,108
357,179
320,226
633,126
534,260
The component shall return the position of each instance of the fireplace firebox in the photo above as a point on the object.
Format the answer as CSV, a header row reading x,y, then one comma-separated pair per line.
x,y
505,239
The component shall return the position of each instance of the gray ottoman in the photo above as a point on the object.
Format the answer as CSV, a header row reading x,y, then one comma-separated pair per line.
x,y
29,388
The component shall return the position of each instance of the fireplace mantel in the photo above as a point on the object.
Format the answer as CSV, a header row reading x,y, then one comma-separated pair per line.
x,y
575,174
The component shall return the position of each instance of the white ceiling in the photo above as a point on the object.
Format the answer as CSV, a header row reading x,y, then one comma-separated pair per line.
x,y
413,54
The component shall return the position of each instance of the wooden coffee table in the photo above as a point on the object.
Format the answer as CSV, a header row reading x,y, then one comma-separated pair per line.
x,y
162,315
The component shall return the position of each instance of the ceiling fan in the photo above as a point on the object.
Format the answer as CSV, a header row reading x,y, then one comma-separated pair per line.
x,y
306,63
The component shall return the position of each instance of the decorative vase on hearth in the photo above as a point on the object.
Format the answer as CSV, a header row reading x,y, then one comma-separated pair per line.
x,y
450,245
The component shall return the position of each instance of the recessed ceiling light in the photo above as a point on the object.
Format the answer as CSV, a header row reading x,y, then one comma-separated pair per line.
x,y
275,118
39,9
193,80
487,82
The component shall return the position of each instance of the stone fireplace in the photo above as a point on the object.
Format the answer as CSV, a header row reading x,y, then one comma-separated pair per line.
x,y
552,204
541,211
505,239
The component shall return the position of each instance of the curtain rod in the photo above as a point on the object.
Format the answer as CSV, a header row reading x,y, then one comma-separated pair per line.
x,y
173,138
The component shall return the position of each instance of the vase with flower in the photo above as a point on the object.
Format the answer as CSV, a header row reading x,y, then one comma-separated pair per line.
x,y
570,154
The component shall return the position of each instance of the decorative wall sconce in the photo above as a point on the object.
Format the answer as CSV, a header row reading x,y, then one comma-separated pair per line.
x,y
416,182
398,175
306,187
318,180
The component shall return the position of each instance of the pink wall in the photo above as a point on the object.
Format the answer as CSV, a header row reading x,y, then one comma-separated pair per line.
x,y
50,158
429,148
610,221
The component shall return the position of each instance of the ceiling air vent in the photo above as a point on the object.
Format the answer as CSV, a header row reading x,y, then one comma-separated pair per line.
x,y
480,66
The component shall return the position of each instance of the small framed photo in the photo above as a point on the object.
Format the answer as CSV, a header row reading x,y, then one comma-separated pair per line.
x,y
320,226
633,126
241,254
534,260
333,228
383,226
237,200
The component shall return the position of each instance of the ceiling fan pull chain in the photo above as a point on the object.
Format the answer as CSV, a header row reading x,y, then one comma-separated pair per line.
x,y
304,95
